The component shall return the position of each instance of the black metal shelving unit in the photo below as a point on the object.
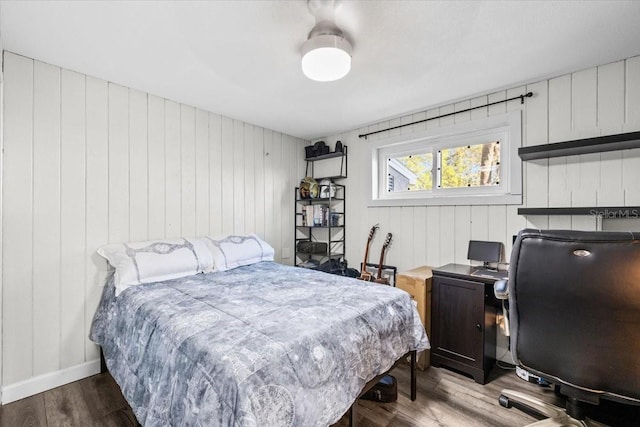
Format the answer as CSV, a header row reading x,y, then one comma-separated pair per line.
x,y
328,228
331,226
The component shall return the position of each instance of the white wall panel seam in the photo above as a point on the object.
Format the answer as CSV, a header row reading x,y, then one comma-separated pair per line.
x,y
86,154
33,220
624,92
146,96
60,261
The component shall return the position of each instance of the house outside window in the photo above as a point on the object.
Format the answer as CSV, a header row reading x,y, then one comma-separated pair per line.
x,y
472,163
401,178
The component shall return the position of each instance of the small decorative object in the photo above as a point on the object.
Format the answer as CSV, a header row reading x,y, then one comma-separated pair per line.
x,y
335,219
327,189
309,188
339,147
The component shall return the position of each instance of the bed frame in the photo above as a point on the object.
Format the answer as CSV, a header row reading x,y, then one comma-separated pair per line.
x,y
353,410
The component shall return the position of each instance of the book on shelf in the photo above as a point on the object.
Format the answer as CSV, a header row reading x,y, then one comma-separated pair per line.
x,y
315,216
308,217
319,215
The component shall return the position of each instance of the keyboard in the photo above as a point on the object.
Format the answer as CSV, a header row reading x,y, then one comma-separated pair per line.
x,y
491,274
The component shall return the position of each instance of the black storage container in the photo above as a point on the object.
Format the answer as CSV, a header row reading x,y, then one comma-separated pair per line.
x,y
312,247
308,151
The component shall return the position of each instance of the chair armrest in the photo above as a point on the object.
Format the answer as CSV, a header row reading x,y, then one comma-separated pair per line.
x,y
501,289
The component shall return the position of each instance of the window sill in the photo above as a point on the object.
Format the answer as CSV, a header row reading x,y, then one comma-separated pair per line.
x,y
502,199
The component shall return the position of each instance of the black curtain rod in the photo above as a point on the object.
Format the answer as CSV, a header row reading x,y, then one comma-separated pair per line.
x,y
520,97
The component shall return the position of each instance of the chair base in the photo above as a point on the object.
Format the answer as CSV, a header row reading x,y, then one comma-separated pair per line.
x,y
556,416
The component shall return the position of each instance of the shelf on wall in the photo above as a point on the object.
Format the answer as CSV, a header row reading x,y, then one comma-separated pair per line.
x,y
336,154
320,178
599,144
320,200
326,156
604,211
319,226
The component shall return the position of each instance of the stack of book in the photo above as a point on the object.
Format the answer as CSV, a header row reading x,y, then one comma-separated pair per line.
x,y
315,216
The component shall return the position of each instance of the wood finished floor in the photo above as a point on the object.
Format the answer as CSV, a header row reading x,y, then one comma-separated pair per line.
x,y
445,398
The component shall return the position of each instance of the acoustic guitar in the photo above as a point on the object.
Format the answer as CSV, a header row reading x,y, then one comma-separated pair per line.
x,y
385,246
365,275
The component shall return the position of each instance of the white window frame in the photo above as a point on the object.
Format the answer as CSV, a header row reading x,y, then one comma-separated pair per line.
x,y
505,128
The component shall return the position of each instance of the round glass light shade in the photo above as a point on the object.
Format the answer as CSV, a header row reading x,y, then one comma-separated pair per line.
x,y
326,58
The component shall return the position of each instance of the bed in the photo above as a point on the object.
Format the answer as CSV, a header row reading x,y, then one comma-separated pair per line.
x,y
262,344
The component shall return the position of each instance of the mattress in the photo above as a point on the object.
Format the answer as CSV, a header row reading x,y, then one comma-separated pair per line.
x,y
259,345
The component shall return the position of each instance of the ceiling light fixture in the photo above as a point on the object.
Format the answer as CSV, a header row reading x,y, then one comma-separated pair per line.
x,y
326,55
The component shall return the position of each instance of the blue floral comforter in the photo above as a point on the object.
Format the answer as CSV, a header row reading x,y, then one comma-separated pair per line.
x,y
261,345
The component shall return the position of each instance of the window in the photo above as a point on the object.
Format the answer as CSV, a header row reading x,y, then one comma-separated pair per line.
x,y
475,165
472,163
412,172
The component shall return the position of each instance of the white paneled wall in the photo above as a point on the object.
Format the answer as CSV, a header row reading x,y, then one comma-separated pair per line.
x,y
598,101
88,162
1,167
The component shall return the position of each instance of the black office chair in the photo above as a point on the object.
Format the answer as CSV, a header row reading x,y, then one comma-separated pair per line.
x,y
574,314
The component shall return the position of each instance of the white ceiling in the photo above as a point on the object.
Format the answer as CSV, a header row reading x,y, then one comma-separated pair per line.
x,y
241,58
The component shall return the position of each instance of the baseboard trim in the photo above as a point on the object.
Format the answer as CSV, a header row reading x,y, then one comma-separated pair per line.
x,y
35,385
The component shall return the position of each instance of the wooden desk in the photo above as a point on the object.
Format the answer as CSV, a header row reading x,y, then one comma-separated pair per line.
x,y
463,319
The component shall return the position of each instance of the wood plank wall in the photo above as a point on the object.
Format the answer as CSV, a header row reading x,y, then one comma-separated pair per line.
x,y
597,101
1,201
88,162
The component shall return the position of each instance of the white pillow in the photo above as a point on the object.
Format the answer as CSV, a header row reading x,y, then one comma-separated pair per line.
x,y
234,251
156,260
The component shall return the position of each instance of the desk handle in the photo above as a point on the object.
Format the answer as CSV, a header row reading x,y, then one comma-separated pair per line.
x,y
478,326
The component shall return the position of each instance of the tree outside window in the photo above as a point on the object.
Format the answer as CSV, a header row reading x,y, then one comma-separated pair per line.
x,y
470,165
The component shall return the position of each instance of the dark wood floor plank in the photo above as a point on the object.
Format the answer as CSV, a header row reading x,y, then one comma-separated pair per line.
x,y
470,403
102,395
120,418
403,420
28,412
66,406
444,398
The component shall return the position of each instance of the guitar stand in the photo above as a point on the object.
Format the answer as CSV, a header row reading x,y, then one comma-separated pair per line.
x,y
387,270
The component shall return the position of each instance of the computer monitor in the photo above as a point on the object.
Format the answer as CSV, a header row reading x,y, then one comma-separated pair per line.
x,y
486,252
